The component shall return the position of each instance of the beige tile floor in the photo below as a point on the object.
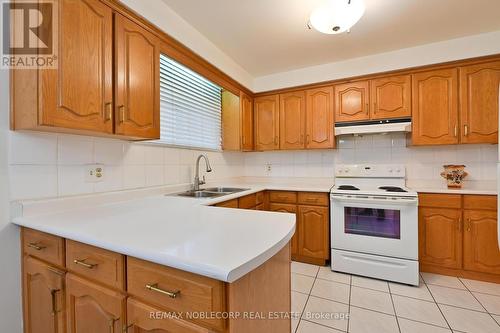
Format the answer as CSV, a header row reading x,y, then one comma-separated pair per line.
x,y
327,302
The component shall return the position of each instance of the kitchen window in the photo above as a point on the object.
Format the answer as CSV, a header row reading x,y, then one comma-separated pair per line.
x,y
190,108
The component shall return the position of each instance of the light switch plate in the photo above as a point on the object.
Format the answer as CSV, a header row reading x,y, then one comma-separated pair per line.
x,y
94,173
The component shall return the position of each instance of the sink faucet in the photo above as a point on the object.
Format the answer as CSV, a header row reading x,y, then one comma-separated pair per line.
x,y
197,181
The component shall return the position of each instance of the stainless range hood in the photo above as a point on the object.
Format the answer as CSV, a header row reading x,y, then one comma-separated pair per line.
x,y
373,127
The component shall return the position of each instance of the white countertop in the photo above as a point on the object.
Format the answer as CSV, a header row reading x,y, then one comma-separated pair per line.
x,y
469,187
184,233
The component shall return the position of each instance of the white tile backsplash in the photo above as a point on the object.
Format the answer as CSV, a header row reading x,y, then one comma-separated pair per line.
x,y
422,163
48,165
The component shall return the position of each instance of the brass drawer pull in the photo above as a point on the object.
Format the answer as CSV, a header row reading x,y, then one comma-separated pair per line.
x,y
108,112
84,264
36,246
171,294
312,199
53,293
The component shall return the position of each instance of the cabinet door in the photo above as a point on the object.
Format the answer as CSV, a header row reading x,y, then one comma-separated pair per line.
x,y
440,237
479,85
288,208
43,292
390,97
137,93
319,118
313,231
292,120
266,117
79,95
246,106
435,107
481,253
93,308
143,318
352,102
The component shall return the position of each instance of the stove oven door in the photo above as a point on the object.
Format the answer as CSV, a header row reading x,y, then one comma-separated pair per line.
x,y
375,225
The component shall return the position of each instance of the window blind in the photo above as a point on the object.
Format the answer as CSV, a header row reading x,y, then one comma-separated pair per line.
x,y
190,107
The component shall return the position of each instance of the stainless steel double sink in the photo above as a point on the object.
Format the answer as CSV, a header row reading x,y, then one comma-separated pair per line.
x,y
211,192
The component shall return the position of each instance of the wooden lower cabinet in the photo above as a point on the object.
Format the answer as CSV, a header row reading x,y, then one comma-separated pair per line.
x,y
288,208
481,253
93,308
460,240
312,224
43,297
440,234
143,318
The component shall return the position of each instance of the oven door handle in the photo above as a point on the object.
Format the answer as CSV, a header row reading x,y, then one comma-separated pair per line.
x,y
376,200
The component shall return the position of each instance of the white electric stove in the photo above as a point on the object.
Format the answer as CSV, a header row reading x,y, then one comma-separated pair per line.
x,y
374,223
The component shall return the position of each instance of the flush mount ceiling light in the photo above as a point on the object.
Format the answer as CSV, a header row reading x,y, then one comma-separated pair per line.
x,y
337,16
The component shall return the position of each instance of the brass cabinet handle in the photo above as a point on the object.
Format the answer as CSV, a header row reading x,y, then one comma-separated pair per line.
x,y
456,130
468,224
459,226
126,327
121,113
108,112
466,130
302,138
307,138
36,246
84,264
312,199
112,322
171,294
53,293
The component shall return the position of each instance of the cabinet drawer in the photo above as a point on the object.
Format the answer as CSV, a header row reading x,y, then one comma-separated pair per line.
x,y
247,202
259,197
176,290
96,264
440,200
488,202
313,198
144,318
228,204
283,196
43,246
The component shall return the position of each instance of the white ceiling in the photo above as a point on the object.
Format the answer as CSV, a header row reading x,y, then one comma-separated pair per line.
x,y
270,36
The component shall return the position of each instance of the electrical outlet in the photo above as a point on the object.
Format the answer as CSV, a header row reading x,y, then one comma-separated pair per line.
x,y
94,173
268,167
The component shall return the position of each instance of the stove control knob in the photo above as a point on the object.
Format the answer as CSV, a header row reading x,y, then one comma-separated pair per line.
x,y
390,170
340,170
346,170
398,170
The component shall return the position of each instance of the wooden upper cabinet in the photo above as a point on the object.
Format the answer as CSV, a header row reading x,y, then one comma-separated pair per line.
x,y
313,232
390,97
435,107
352,101
440,237
292,120
78,94
246,108
481,252
319,118
137,95
93,308
479,86
43,293
266,117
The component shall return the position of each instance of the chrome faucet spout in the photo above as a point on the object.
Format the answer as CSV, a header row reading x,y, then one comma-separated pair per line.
x,y
197,181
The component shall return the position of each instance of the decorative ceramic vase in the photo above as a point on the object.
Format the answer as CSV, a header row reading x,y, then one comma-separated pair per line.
x,y
454,175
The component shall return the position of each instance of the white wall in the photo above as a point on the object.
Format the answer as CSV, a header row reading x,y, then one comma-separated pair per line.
x,y
455,49
10,284
169,21
422,163
50,165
